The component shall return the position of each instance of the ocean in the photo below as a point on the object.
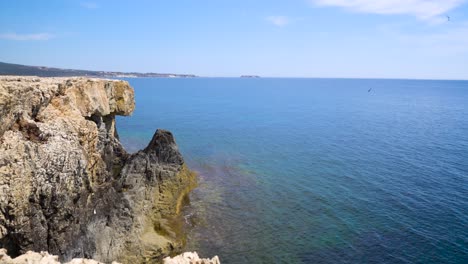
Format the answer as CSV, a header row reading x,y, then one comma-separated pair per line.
x,y
316,170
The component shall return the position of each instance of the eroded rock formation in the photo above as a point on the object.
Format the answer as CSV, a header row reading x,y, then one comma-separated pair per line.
x,y
67,186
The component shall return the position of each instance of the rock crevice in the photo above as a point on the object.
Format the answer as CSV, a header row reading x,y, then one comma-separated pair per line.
x,y
67,186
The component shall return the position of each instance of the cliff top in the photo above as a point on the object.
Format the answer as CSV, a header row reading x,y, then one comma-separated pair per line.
x,y
28,95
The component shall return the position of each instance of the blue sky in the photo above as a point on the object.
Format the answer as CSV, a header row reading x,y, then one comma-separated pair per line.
x,y
277,38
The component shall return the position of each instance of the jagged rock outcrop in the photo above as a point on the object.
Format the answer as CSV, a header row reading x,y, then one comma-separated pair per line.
x,y
190,258
67,186
31,257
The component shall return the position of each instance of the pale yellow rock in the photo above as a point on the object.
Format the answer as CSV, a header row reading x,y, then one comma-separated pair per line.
x,y
55,137
190,258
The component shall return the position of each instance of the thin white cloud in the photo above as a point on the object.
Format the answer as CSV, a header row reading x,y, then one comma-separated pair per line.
x,y
23,37
279,21
89,5
422,9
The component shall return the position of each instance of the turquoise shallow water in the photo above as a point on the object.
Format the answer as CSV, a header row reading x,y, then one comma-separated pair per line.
x,y
317,170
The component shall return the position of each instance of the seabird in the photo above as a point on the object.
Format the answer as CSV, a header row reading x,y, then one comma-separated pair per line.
x,y
369,90
448,18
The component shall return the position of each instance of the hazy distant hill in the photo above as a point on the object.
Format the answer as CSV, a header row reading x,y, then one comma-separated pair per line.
x,y
17,69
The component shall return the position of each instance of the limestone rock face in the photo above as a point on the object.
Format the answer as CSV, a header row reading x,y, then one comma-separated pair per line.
x,y
67,186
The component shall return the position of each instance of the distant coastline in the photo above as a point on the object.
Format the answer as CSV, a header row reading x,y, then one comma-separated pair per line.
x,y
13,69
41,71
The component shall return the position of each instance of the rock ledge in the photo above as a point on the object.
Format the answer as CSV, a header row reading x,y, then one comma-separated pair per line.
x,y
31,257
190,258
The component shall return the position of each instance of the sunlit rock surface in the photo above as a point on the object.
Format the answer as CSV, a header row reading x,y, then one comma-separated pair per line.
x,y
190,258
68,187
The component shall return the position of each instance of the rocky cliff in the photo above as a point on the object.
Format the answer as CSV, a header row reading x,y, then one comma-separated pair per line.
x,y
67,186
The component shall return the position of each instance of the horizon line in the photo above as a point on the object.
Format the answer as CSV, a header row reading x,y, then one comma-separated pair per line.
x,y
240,76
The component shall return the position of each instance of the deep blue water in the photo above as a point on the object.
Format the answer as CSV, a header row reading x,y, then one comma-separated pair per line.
x,y
317,170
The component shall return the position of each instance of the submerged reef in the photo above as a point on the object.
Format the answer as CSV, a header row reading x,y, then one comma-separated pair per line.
x,y
68,187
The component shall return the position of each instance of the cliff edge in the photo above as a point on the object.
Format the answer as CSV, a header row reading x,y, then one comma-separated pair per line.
x,y
67,186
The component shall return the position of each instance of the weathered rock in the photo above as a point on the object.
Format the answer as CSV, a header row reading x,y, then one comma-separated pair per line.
x,y
190,258
31,257
67,186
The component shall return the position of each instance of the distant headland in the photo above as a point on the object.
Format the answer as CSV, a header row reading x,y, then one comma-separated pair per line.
x,y
250,76
24,70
